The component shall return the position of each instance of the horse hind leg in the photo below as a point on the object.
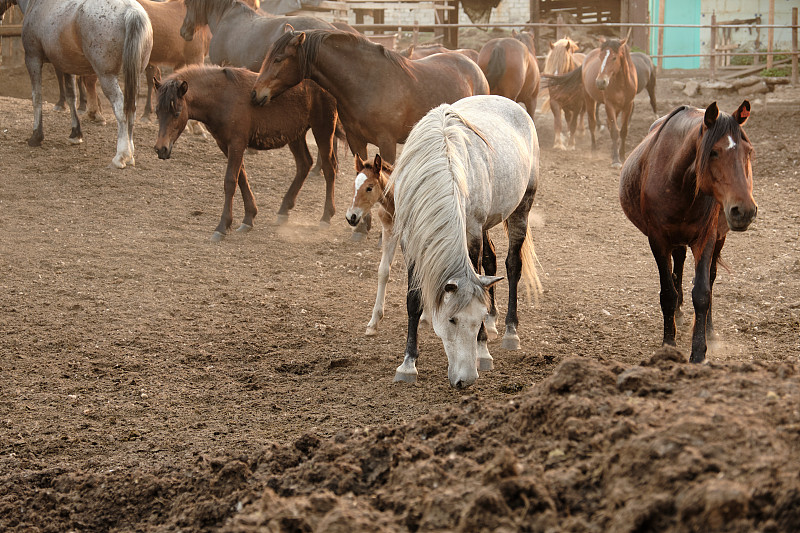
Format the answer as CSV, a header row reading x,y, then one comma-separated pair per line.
x,y
113,92
407,371
517,230
75,136
61,105
88,86
668,296
489,263
34,65
678,259
302,161
249,201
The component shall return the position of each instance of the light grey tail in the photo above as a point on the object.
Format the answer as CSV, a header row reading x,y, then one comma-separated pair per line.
x,y
135,55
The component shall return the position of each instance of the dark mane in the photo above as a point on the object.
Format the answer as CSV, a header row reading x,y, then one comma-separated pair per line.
x,y
208,6
169,88
613,44
572,81
724,125
315,39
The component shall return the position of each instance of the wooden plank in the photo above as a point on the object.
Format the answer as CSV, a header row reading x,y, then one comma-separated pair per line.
x,y
752,70
10,30
372,4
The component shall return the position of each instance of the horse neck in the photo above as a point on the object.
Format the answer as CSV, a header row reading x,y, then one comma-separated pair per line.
x,y
626,65
223,14
387,198
204,96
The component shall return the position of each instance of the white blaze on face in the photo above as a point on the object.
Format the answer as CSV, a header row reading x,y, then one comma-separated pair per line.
x,y
360,179
731,144
603,64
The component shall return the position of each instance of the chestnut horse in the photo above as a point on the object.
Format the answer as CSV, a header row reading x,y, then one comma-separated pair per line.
x,y
609,78
219,97
686,184
241,36
561,59
511,68
372,187
425,50
368,80
87,37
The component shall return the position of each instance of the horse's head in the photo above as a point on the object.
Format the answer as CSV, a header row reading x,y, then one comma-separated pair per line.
x,y
195,17
526,38
284,67
370,185
723,163
457,320
172,113
613,55
560,59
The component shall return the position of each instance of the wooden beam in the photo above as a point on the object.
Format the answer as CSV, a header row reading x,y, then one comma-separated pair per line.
x,y
10,30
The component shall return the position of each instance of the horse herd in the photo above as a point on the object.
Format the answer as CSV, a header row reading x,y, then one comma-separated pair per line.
x,y
471,155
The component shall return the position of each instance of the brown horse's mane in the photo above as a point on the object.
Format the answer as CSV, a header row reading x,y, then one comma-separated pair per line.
x,y
169,88
315,39
207,6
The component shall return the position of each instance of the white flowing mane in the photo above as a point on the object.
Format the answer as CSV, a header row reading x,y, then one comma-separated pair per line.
x,y
431,176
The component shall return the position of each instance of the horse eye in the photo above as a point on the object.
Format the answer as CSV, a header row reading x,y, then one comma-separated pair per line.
x,y
714,154
452,320
369,189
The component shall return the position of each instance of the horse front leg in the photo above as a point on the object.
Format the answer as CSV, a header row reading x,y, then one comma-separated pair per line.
x,y
710,333
558,142
302,161
61,105
388,250
678,258
489,262
591,111
235,156
701,299
326,158
34,65
476,255
249,200
407,371
623,134
668,296
75,136
88,85
613,129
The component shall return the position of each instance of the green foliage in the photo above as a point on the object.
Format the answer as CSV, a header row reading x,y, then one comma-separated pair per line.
x,y
776,72
741,60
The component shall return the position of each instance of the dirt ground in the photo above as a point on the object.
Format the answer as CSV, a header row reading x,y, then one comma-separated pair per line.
x,y
151,380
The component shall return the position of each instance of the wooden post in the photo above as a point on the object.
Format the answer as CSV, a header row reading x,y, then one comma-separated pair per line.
x,y
535,19
712,43
661,35
559,29
771,32
795,80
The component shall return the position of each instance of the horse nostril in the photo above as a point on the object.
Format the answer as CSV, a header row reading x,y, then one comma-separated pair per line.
x,y
735,211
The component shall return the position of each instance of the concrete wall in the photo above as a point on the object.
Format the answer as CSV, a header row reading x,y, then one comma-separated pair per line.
x,y
509,11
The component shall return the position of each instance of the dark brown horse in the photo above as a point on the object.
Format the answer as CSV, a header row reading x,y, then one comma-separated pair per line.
x,y
609,78
646,76
368,80
220,98
686,184
425,50
511,68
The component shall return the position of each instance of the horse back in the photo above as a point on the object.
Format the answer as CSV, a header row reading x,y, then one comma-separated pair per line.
x,y
645,72
447,77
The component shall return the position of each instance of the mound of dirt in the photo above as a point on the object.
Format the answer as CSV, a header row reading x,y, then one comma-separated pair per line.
x,y
664,446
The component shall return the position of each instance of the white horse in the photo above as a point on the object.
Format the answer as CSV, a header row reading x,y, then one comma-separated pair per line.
x,y
86,37
465,168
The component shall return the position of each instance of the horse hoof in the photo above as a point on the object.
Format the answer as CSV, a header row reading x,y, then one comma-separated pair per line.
x,y
357,236
511,342
59,107
283,219
405,377
35,141
118,162
616,165
324,224
75,140
244,228
217,236
485,364
371,331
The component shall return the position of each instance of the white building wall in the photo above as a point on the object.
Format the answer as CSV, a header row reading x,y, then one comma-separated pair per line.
x,y
727,10
509,11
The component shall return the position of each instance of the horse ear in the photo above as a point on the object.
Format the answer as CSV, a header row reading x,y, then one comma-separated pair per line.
x,y
628,36
741,115
712,112
183,88
287,27
488,281
359,163
451,285
378,163
156,83
514,33
299,39
601,39
552,45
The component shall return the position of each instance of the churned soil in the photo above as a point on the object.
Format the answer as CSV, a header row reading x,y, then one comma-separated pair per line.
x,y
151,380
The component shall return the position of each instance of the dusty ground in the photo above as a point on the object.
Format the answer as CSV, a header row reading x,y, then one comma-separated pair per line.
x,y
151,380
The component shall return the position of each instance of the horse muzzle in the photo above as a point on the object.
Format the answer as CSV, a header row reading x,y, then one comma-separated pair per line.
x,y
260,98
163,152
601,83
353,218
186,34
740,217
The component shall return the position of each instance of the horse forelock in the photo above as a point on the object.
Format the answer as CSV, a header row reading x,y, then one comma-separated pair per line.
x,y
430,197
725,125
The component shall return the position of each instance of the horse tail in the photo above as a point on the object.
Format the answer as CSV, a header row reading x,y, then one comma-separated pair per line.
x,y
529,261
651,90
135,55
496,66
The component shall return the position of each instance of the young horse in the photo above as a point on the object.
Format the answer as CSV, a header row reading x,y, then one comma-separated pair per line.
x,y
511,68
371,187
686,184
559,61
609,77
241,36
465,168
220,98
398,93
87,37
425,50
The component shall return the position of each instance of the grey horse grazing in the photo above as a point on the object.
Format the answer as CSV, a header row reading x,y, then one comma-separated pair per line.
x,y
86,37
465,168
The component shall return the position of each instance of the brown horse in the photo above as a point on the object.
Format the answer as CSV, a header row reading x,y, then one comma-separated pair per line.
x,y
220,98
511,68
686,184
646,76
560,60
609,78
368,80
425,50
